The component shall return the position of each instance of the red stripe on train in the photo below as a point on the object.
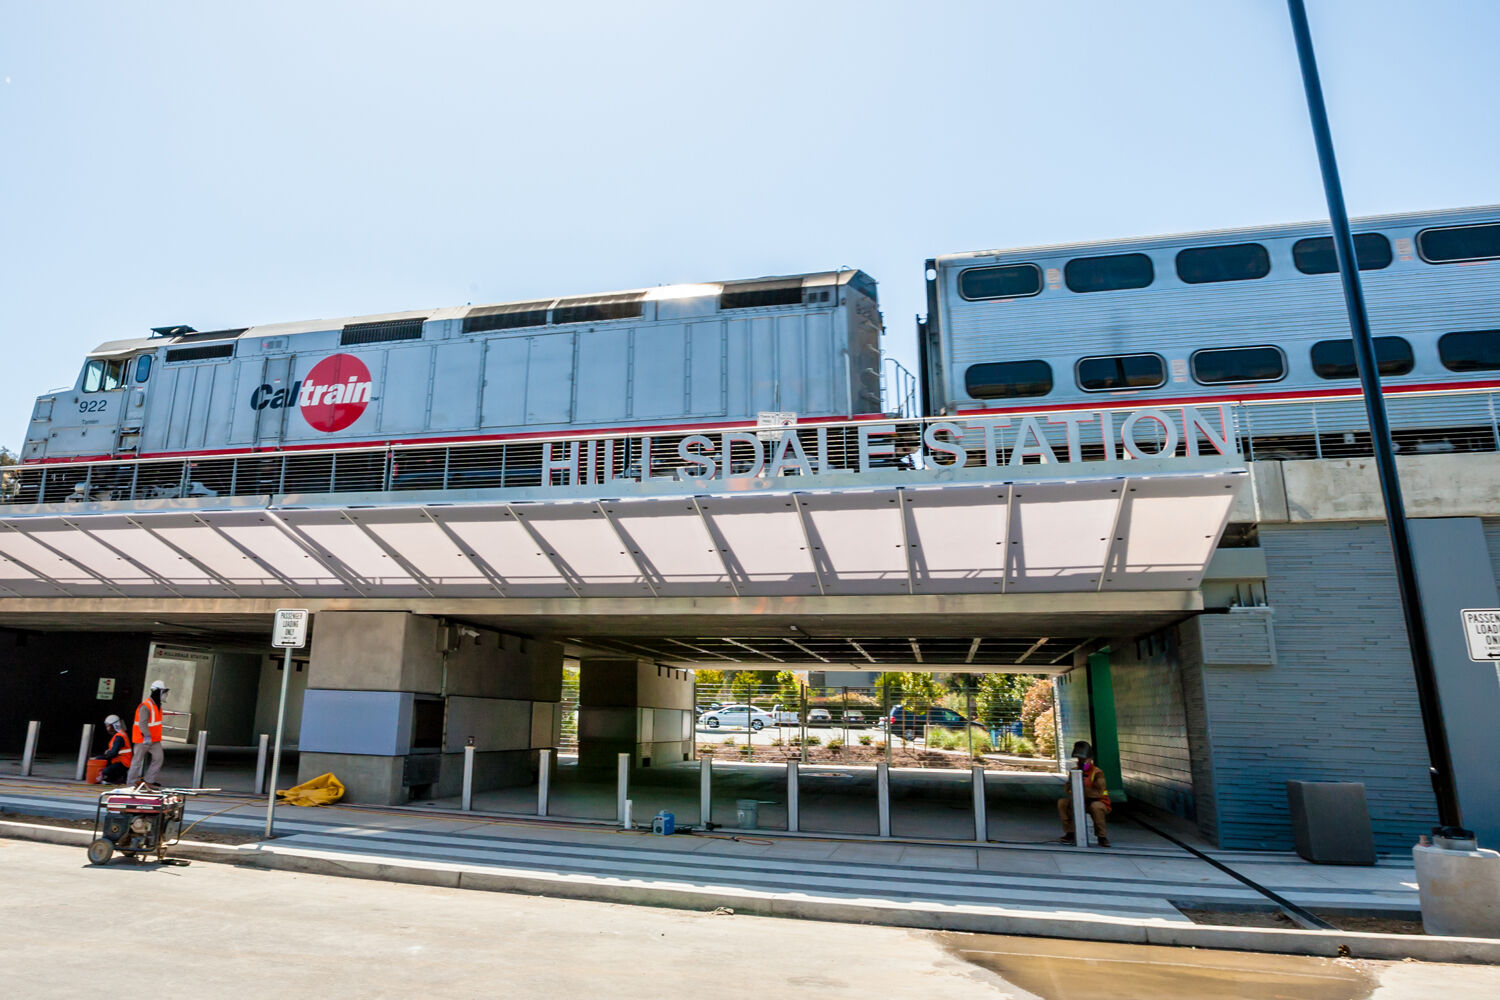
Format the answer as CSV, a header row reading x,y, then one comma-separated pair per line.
x,y
600,432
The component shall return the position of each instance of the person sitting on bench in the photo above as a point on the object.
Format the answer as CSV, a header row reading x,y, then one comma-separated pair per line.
x,y
1095,797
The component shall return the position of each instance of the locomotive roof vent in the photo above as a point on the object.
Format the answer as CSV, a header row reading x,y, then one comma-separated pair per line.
x,y
510,316
171,331
597,308
753,294
380,333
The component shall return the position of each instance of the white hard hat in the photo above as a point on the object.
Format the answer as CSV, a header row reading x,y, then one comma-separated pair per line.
x,y
111,720
158,685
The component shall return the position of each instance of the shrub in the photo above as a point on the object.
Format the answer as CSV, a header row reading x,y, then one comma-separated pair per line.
x,y
982,743
728,741
1046,733
813,740
835,744
745,749
866,739
1038,700
776,741
1020,746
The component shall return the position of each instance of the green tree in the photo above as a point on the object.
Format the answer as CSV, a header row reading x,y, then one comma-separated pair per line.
x,y
746,684
788,690
710,683
919,691
1000,697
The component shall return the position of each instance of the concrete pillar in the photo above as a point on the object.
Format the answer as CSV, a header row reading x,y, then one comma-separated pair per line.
x,y
393,698
633,706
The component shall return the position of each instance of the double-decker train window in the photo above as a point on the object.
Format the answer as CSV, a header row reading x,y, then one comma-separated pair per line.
x,y
1009,281
1454,244
1238,364
1108,274
1122,371
1008,379
1233,262
1315,255
1335,358
1470,351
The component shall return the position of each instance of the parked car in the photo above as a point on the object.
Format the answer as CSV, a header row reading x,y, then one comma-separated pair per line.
x,y
818,715
910,725
855,716
738,715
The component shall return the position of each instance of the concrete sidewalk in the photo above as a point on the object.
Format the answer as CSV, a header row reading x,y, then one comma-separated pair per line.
x,y
1131,893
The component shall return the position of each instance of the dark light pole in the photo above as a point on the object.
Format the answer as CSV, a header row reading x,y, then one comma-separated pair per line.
x,y
1441,768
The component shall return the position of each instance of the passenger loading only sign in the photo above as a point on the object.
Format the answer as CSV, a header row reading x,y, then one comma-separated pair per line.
x,y
1482,629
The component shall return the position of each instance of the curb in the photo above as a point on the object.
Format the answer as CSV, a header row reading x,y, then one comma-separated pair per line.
x,y
1331,944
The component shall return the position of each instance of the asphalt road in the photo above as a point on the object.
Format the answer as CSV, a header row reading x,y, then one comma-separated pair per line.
x,y
225,932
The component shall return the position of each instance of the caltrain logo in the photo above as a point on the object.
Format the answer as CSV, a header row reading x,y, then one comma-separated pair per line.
x,y
330,398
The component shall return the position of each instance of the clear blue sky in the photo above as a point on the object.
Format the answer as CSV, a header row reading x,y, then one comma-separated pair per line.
x,y
227,164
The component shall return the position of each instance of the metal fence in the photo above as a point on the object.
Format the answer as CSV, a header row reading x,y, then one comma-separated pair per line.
x,y
1427,422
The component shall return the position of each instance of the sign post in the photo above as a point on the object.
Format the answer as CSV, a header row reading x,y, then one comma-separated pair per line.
x,y
289,633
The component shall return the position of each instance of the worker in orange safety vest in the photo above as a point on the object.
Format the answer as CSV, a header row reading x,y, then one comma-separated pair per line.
x,y
147,757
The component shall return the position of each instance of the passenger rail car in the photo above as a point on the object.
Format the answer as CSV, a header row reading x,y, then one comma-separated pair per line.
x,y
1248,316
681,355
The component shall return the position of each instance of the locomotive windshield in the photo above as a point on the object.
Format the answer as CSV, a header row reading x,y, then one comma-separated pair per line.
x,y
103,374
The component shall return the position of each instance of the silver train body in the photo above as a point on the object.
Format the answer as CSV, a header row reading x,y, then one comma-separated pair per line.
x,y
704,354
1136,323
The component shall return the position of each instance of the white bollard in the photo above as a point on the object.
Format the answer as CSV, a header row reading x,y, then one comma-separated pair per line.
x,y
260,763
622,788
544,784
468,797
1080,814
883,796
629,822
705,791
28,756
200,760
792,788
83,751
981,807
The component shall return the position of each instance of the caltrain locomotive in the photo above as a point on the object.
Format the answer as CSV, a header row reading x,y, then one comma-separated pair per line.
x,y
1251,318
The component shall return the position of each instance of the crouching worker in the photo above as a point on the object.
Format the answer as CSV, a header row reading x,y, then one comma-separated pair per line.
x,y
1095,797
116,755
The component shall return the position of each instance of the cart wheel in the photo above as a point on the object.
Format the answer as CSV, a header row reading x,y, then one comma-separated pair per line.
x,y
99,851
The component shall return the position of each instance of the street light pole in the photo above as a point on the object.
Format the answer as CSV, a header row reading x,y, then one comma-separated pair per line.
x,y
1441,768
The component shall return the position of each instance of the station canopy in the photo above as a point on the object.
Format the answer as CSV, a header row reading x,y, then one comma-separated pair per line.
x,y
1124,526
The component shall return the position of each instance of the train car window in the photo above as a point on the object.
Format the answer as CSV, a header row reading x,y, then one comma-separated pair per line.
x,y
204,353
1108,274
1335,358
1315,255
378,333
1122,371
1008,379
1234,262
1471,351
1238,364
1453,244
103,374
143,367
1010,281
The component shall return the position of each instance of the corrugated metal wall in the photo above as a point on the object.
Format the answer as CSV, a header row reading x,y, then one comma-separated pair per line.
x,y
1151,718
1339,705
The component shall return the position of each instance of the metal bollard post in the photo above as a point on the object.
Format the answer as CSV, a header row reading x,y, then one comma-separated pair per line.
x,y
260,763
200,759
981,809
705,790
468,798
883,796
792,788
1080,815
544,784
28,756
622,788
83,751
